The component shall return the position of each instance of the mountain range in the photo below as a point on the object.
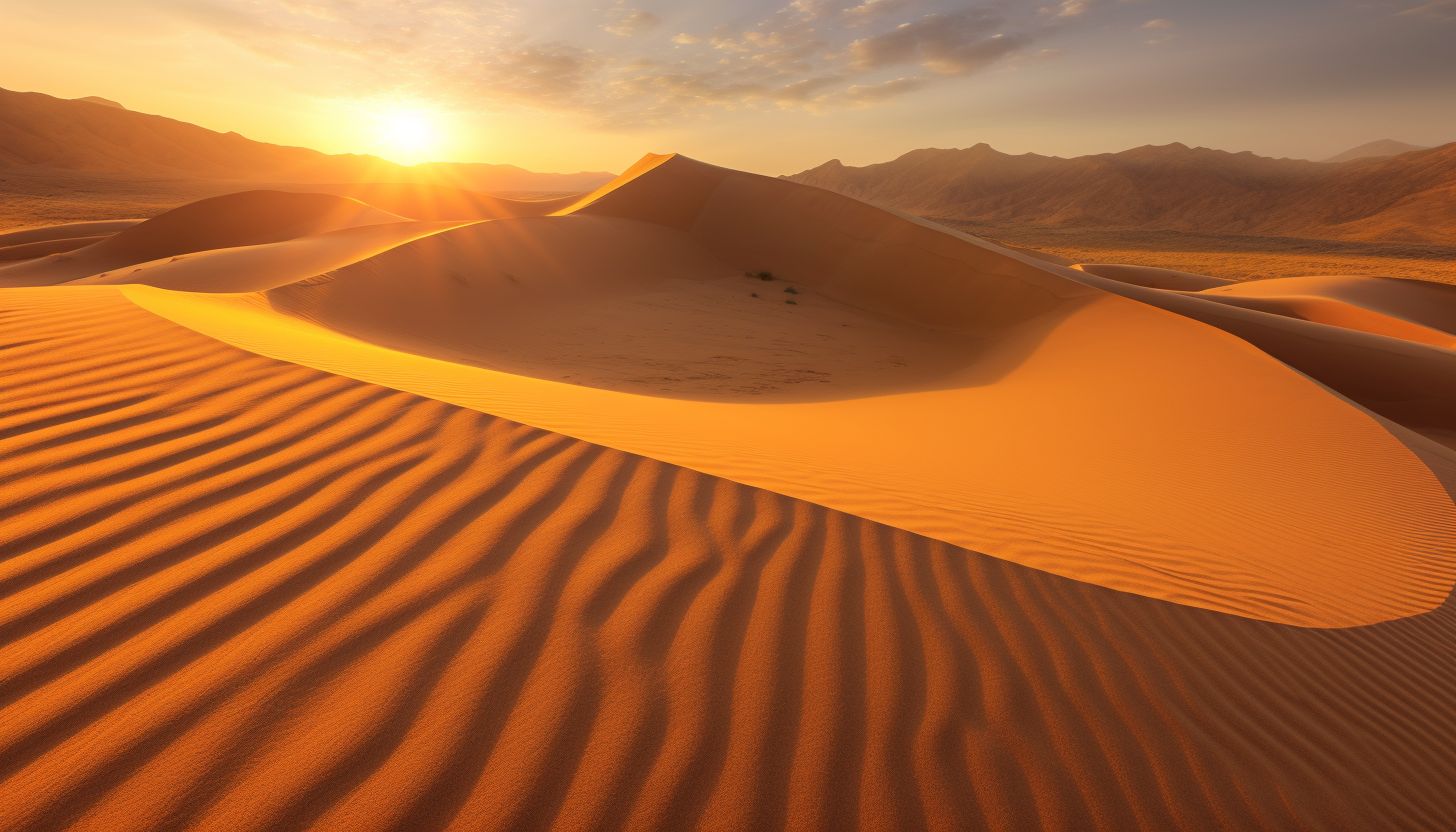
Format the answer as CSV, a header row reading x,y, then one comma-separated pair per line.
x,y
1382,191
1409,197
101,136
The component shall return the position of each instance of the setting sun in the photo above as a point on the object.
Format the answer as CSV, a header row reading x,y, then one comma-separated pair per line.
x,y
409,136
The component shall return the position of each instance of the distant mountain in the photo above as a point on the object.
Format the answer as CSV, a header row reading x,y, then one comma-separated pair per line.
x,y
40,131
96,99
1377,148
1406,198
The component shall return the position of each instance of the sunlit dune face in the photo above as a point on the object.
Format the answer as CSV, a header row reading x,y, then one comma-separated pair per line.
x,y
409,135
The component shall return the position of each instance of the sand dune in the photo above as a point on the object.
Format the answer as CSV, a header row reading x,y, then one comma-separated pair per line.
x,y
712,501
1154,278
399,614
1013,410
1417,301
241,219
1411,310
67,231
437,202
29,251
1401,370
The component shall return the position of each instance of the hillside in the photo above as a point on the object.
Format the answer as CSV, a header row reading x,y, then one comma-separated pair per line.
x,y
1406,198
97,136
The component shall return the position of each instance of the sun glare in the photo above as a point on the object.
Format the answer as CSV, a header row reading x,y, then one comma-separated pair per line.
x,y
409,135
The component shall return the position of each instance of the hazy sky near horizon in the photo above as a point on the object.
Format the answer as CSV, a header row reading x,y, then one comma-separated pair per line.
x,y
765,85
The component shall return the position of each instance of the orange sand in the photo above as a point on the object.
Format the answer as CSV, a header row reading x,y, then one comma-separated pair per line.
x,y
1012,410
247,595
958,538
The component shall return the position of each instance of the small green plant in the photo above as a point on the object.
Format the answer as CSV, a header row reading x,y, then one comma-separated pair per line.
x,y
791,290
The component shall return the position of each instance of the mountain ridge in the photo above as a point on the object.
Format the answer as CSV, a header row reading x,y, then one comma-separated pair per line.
x,y
1410,197
42,131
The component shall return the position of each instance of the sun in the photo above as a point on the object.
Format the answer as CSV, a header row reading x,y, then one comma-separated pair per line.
x,y
409,135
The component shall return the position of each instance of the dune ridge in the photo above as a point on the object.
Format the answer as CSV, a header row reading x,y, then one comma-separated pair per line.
x,y
65,231
28,251
397,614
1347,333
1014,409
242,219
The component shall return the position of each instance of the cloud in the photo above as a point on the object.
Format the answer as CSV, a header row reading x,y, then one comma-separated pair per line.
x,y
1440,11
873,9
485,55
865,94
1158,24
955,43
550,72
633,23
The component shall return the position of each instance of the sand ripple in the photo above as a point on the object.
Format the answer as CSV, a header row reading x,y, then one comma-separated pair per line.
x,y
242,594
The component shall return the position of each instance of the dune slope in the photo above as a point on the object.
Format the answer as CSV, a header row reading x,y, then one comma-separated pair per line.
x,y
240,219
247,595
912,377
65,231
439,202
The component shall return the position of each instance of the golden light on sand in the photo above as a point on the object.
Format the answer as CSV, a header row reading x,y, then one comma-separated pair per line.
x,y
409,136
361,497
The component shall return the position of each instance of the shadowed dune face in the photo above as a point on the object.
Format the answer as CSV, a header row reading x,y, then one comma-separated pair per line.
x,y
913,377
244,595
848,250
620,305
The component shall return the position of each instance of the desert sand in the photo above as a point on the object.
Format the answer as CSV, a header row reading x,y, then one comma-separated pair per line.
x,y
709,500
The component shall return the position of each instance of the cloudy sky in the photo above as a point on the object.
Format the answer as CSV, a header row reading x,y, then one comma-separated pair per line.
x,y
763,85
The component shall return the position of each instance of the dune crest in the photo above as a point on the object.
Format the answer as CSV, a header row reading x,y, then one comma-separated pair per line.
x,y
240,219
913,376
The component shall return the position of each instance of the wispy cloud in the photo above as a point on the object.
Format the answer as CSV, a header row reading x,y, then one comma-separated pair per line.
x,y
1441,11
631,22
812,54
956,43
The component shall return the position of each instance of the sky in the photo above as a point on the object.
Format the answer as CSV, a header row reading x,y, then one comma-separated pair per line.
x,y
768,86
